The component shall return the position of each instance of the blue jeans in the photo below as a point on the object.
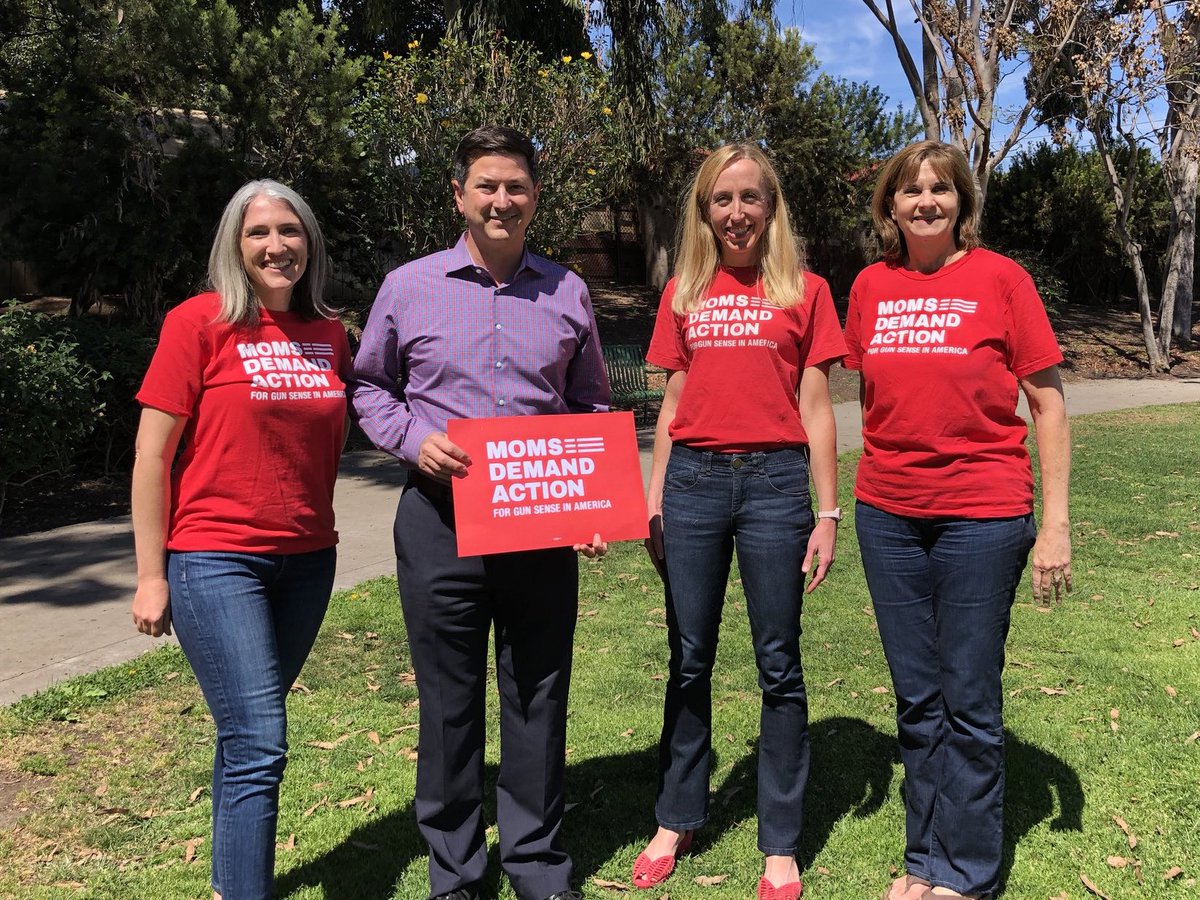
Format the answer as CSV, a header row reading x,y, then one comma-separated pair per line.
x,y
246,623
943,591
760,504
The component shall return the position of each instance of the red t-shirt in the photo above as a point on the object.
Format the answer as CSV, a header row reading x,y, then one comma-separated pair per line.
x,y
266,410
743,357
940,357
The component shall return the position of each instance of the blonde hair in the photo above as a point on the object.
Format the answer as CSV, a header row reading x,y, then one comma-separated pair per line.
x,y
227,273
780,260
949,163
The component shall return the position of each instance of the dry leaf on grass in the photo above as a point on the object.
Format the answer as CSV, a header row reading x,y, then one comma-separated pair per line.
x,y
610,885
1117,862
1129,835
1087,883
1171,873
1052,691
709,880
299,687
1192,738
373,737
355,801
195,795
823,870
324,801
189,849
628,732
879,690
1171,692
333,745
288,845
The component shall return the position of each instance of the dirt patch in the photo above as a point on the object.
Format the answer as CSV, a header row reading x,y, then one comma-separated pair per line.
x,y
15,790
57,500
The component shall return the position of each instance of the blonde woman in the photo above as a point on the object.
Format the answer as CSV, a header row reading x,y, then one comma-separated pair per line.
x,y
747,338
235,543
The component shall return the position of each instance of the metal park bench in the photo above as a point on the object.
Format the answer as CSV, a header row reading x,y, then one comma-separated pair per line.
x,y
626,365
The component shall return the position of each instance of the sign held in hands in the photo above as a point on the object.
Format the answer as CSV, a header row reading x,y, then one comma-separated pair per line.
x,y
547,481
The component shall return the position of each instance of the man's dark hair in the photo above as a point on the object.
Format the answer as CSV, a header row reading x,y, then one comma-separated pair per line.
x,y
493,139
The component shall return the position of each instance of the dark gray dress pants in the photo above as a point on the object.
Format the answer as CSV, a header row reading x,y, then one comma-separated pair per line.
x,y
450,606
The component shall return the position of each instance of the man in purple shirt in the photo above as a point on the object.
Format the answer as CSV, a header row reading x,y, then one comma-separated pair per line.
x,y
483,329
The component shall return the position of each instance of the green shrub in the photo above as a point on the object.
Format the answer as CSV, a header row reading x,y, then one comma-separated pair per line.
x,y
49,397
414,108
120,352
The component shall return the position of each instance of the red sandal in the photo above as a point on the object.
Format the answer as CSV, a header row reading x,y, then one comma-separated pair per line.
x,y
790,891
648,873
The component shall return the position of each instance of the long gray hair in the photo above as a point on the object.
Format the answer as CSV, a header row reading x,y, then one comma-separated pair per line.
x,y
227,273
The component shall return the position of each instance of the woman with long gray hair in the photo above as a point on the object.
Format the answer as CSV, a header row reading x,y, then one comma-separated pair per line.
x,y
235,538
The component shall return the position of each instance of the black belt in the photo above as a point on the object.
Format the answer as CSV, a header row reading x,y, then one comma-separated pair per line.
x,y
431,488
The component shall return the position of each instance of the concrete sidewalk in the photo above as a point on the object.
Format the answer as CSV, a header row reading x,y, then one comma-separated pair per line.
x,y
65,594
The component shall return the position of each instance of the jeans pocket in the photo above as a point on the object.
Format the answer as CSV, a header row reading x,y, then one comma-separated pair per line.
x,y
681,478
791,481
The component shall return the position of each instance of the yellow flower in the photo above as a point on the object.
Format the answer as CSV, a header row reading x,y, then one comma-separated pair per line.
x,y
386,55
591,171
413,45
585,55
566,59
606,111
422,98
445,123
544,72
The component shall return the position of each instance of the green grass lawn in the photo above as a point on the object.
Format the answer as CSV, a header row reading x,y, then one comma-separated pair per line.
x,y
104,781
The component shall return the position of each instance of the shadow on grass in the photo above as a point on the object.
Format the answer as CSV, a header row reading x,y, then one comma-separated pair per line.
x,y
612,801
849,774
1033,779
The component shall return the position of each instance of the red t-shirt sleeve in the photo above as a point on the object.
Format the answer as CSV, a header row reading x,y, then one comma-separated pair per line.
x,y
824,336
1030,340
175,376
853,334
667,348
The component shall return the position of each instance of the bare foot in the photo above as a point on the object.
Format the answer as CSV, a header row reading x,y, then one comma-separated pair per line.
x,y
664,843
781,870
907,887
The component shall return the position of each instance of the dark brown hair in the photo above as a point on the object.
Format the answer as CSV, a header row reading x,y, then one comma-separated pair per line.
x,y
949,163
489,139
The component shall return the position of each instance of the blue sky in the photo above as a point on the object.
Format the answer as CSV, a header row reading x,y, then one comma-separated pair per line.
x,y
850,43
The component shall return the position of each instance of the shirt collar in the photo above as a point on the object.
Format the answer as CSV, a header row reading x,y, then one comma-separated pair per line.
x,y
460,259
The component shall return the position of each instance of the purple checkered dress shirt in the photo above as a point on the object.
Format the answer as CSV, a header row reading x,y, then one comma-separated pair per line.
x,y
444,341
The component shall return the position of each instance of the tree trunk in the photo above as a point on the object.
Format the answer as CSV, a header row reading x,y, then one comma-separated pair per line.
x,y
929,76
656,222
1181,324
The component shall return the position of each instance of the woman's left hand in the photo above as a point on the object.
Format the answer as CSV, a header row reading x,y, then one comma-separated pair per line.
x,y
1052,564
820,546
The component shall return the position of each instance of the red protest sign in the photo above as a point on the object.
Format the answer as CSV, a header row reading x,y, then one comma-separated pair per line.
x,y
547,481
